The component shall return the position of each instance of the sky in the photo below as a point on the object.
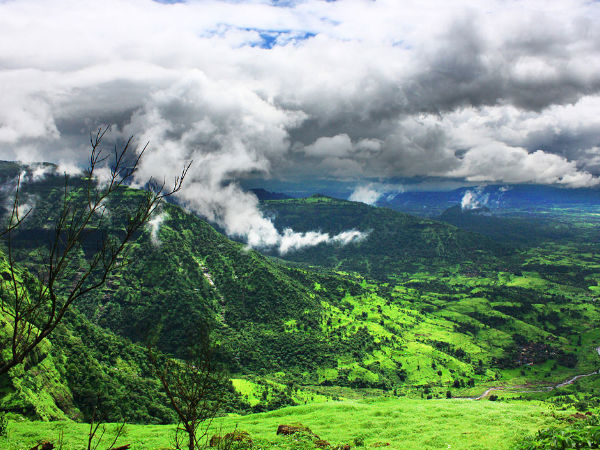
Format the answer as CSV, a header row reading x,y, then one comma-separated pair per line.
x,y
496,91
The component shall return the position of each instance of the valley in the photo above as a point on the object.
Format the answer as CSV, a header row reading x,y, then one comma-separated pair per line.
x,y
423,334
299,225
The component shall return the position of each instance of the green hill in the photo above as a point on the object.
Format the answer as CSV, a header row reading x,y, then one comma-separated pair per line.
x,y
396,242
513,230
80,367
455,313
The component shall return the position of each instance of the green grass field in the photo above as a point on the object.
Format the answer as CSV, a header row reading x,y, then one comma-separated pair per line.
x,y
405,424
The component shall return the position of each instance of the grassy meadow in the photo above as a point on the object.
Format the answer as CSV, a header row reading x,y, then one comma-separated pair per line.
x,y
406,424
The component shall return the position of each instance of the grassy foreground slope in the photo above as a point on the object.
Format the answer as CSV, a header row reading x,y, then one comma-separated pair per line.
x,y
404,424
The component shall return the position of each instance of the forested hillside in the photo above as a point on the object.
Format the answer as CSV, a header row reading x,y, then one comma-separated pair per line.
x,y
396,242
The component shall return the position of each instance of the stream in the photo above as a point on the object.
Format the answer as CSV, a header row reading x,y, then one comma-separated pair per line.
x,y
540,389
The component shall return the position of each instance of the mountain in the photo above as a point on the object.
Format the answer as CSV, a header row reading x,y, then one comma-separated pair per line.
x,y
80,367
529,197
190,276
187,279
436,307
263,194
516,230
395,242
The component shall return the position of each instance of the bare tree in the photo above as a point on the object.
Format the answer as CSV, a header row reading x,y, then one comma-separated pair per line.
x,y
33,309
192,388
94,440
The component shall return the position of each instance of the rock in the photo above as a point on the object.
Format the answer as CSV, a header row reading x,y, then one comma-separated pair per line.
x,y
241,437
321,443
235,436
293,429
238,436
44,445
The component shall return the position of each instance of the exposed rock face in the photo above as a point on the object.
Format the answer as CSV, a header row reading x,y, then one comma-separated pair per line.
x,y
293,429
45,445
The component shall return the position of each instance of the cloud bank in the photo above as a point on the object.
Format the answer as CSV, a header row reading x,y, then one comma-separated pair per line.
x,y
292,240
370,193
474,198
499,91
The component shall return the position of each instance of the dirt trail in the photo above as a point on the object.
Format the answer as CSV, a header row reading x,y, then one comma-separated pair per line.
x,y
539,389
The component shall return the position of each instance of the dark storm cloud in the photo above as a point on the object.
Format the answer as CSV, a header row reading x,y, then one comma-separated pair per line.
x,y
501,91
532,69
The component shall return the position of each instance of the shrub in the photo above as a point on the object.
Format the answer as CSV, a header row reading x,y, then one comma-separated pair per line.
x,y
3,425
359,440
581,434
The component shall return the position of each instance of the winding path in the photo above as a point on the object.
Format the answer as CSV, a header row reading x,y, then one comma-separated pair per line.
x,y
540,389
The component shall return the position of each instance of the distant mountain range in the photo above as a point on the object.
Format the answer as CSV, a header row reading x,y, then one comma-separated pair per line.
x,y
263,194
433,203
510,230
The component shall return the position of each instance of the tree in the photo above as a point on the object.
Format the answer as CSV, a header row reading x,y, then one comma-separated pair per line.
x,y
33,308
94,440
193,388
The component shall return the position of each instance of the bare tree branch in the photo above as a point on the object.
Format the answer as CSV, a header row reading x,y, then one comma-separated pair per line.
x,y
190,386
35,312
14,219
97,423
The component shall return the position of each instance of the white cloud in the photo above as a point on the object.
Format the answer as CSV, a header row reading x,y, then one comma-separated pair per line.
x,y
293,241
154,225
473,199
502,91
335,146
497,162
370,193
68,168
346,237
365,194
